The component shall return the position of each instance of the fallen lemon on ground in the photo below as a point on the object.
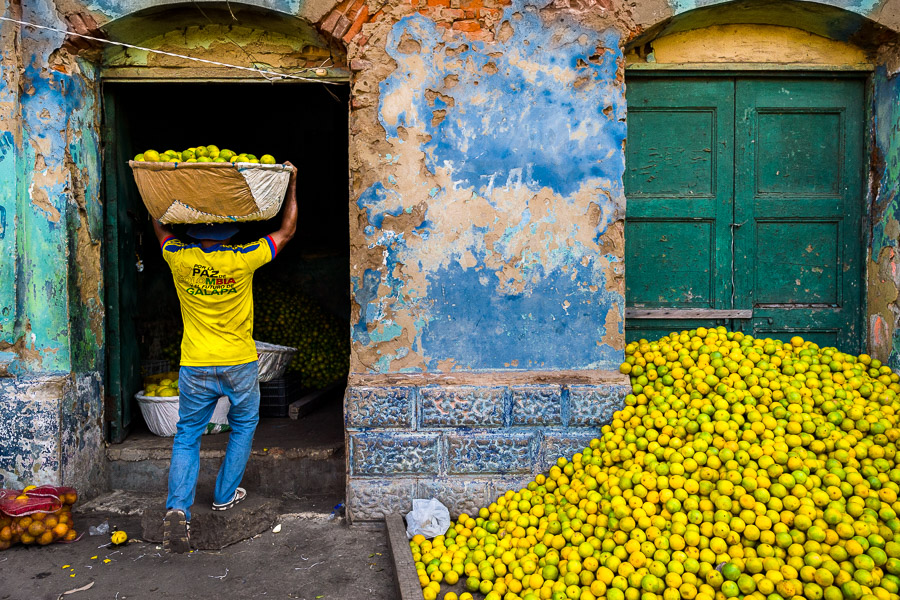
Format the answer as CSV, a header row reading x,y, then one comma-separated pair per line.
x,y
738,468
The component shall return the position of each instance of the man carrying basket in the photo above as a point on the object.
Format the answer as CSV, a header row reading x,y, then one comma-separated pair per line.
x,y
218,355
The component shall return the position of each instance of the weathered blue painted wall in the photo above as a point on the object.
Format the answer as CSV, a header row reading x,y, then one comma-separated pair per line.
x,y
884,268
51,289
10,140
486,231
490,231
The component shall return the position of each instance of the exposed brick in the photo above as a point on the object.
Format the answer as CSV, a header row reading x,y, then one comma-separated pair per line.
x,y
393,453
357,24
471,13
467,26
358,102
343,25
484,35
493,14
439,3
330,21
453,13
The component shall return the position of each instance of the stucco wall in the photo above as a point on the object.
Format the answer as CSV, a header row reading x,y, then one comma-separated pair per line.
x,y
486,232
486,222
884,265
51,292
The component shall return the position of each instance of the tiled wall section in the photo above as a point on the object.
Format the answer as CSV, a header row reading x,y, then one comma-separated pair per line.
x,y
463,445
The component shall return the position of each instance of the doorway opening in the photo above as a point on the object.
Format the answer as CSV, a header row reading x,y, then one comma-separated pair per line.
x,y
745,205
303,123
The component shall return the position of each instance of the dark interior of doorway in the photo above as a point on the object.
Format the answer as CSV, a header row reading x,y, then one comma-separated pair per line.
x,y
303,123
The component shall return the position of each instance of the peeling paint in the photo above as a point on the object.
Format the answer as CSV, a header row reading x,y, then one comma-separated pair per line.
x,y
863,7
487,205
486,227
50,284
884,267
233,44
739,43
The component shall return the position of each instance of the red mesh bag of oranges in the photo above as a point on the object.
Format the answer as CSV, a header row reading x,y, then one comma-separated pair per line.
x,y
37,515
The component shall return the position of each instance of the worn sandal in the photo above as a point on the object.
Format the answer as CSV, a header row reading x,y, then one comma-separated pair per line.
x,y
239,495
176,532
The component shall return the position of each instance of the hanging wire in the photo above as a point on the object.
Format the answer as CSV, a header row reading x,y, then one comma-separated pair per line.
x,y
252,58
270,75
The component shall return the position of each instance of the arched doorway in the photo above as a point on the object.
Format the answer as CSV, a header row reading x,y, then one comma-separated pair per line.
x,y
163,101
746,173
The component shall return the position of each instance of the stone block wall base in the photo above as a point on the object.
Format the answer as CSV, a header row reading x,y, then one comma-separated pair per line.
x,y
464,443
51,432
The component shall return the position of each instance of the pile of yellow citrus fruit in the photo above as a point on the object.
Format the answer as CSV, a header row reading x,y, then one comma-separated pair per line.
x,y
738,468
203,154
163,384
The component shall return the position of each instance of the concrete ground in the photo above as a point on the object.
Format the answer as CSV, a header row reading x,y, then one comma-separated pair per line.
x,y
312,557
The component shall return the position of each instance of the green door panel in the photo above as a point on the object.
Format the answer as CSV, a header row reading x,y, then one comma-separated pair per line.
x,y
123,377
745,193
678,181
669,271
798,197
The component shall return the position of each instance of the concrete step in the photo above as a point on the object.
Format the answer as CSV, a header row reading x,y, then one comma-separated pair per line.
x,y
141,515
296,458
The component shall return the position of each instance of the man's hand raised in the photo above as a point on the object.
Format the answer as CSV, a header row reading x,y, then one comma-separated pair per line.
x,y
293,172
289,212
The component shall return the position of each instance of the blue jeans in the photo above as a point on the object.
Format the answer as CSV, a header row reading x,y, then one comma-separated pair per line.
x,y
200,389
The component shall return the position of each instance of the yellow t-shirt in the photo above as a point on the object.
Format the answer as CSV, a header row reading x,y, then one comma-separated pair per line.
x,y
214,288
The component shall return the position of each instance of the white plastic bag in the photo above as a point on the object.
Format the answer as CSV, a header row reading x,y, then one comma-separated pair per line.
x,y
428,517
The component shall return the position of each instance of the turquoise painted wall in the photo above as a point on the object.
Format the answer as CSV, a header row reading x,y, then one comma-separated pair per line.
x,y
489,213
51,295
9,178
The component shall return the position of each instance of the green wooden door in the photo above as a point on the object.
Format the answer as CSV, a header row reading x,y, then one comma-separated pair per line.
x,y
744,199
798,187
123,377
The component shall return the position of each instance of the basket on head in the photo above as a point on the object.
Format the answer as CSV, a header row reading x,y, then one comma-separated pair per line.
x,y
185,192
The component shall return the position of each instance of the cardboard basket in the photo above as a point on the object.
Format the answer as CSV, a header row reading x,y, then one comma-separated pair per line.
x,y
186,192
